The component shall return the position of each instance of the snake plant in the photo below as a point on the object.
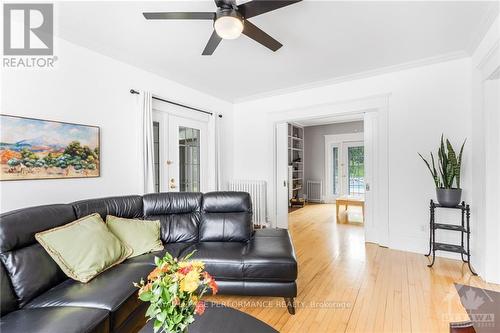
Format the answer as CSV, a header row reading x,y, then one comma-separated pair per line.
x,y
449,165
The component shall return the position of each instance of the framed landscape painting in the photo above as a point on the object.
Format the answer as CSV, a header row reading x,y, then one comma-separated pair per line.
x,y
44,149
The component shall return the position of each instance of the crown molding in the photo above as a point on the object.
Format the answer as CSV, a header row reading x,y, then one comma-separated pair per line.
x,y
488,18
362,75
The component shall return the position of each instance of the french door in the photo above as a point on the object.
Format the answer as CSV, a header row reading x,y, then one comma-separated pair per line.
x,y
354,169
181,154
345,169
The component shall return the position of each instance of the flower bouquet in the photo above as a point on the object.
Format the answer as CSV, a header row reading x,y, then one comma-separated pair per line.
x,y
174,290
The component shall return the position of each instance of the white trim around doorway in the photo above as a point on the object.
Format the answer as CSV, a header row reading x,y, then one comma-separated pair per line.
x,y
374,110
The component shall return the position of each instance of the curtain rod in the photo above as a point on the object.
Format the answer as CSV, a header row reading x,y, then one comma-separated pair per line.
x,y
132,91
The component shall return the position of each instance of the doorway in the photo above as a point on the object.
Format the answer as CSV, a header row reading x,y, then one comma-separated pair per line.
x,y
373,110
180,152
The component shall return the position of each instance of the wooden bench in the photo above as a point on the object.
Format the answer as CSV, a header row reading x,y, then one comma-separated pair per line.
x,y
347,201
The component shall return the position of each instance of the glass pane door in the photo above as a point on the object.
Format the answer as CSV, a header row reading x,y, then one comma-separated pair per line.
x,y
356,170
187,155
335,171
189,159
156,154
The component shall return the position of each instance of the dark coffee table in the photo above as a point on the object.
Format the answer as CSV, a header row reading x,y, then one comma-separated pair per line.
x,y
221,319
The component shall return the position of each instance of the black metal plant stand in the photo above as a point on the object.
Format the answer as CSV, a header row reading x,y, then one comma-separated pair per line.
x,y
464,228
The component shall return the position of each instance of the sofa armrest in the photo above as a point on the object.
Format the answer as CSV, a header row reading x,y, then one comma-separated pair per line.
x,y
270,254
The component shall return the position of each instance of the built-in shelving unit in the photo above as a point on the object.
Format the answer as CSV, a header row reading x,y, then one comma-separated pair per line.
x,y
295,161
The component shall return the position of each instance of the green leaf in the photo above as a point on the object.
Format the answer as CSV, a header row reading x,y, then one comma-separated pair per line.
x,y
188,255
168,256
433,170
459,167
162,316
145,296
150,312
178,318
157,325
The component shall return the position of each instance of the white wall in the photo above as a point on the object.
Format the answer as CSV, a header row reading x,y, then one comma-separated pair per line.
x,y
89,88
485,145
314,147
424,102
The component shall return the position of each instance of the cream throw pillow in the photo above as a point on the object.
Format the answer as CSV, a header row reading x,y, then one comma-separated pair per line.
x,y
142,236
84,248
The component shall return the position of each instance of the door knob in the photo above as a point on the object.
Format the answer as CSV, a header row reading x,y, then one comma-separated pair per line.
x,y
172,183
169,162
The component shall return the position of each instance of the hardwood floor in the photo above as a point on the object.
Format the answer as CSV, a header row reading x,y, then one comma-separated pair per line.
x,y
347,285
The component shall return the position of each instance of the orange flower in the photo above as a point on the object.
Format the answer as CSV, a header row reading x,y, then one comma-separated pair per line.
x,y
154,274
213,286
211,282
207,276
200,308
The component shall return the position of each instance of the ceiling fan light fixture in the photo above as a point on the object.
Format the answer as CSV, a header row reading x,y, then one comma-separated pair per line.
x,y
228,26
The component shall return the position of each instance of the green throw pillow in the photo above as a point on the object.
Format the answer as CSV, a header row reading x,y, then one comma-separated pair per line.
x,y
84,248
141,235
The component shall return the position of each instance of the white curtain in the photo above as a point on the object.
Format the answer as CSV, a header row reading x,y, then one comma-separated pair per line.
x,y
147,144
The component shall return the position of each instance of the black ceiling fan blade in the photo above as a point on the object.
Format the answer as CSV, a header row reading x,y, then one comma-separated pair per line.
x,y
260,36
180,16
257,7
212,44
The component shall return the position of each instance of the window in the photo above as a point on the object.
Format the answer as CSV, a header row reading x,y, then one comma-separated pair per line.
x,y
335,169
156,154
356,169
189,159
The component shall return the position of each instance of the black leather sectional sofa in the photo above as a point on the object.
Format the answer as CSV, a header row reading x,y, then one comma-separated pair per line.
x,y
36,296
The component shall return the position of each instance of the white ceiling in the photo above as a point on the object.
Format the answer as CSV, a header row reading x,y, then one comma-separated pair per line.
x,y
322,40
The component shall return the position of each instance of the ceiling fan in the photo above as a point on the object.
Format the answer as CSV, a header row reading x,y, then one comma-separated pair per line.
x,y
231,20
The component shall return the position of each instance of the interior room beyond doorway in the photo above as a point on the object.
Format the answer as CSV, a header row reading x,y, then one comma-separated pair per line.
x,y
326,164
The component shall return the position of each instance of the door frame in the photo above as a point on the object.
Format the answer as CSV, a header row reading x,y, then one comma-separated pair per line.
x,y
161,112
332,140
374,109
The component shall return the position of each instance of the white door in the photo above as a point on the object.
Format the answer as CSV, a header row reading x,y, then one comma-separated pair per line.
x,y
344,167
352,169
187,156
282,175
333,175
181,153
372,234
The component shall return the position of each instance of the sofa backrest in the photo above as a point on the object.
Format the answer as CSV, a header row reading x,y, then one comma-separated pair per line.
x,y
8,300
178,213
30,269
226,217
129,207
27,270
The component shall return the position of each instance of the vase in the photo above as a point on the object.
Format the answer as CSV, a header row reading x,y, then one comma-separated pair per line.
x,y
449,197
